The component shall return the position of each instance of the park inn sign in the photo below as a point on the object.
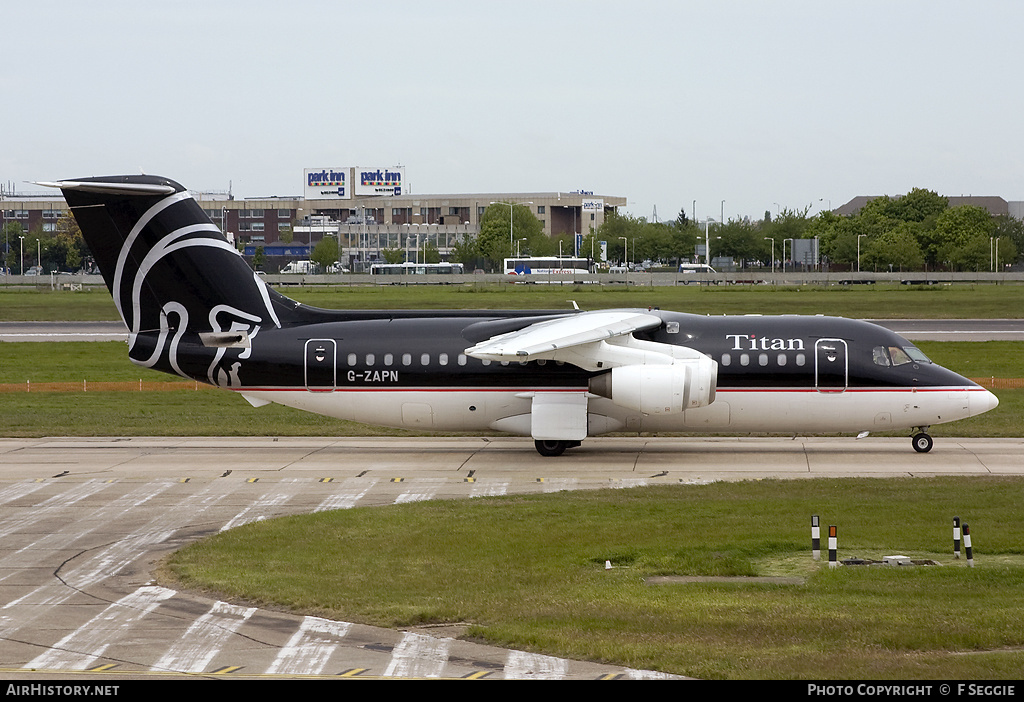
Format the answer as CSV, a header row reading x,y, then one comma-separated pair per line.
x,y
347,181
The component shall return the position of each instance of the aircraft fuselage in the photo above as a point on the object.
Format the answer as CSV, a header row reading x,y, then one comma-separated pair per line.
x,y
409,369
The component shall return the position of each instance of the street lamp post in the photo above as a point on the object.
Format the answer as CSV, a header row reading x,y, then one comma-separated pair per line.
x,y
21,270
772,239
858,250
511,237
707,241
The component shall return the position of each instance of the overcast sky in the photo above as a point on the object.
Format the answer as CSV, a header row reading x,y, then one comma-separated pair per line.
x,y
765,105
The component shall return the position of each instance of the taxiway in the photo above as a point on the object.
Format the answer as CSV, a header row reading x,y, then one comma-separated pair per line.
x,y
84,521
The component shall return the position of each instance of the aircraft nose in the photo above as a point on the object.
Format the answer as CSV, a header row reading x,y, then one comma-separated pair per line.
x,y
982,402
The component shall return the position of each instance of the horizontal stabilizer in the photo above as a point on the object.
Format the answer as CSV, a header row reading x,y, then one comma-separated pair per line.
x,y
111,188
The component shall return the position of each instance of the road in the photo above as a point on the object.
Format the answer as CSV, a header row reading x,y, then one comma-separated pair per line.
x,y
85,520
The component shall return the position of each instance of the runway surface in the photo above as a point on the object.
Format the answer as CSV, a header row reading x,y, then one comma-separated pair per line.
x,y
84,520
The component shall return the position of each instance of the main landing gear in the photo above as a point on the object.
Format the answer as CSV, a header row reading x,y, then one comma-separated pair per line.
x,y
553,447
922,441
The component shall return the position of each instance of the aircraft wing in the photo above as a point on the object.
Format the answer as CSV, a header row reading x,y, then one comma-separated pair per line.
x,y
574,339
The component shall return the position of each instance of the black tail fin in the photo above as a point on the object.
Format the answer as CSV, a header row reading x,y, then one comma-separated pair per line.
x,y
168,267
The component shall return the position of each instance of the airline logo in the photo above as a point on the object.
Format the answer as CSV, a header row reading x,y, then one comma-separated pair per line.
x,y
752,342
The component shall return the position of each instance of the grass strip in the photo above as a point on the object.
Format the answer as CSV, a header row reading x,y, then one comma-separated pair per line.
x,y
528,572
880,301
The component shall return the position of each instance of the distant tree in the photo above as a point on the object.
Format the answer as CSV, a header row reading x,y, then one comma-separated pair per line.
x,y
325,253
499,227
465,251
259,258
896,249
917,205
393,255
590,247
1010,231
11,231
963,237
790,224
68,246
743,241
621,231
681,243
431,253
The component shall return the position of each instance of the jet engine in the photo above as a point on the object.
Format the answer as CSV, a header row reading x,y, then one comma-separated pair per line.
x,y
658,388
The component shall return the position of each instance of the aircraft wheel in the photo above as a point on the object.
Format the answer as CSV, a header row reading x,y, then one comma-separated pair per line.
x,y
922,443
550,447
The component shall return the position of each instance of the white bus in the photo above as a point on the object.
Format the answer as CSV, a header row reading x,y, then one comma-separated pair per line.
x,y
542,265
409,268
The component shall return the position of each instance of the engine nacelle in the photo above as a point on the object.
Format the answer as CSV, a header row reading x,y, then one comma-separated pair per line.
x,y
660,389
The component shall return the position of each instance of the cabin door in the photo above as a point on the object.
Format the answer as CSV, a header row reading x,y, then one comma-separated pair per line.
x,y
321,362
831,365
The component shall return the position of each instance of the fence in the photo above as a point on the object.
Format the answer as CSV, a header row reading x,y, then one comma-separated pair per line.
x,y
1000,383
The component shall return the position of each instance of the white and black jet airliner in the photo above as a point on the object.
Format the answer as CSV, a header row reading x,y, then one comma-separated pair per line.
x,y
193,307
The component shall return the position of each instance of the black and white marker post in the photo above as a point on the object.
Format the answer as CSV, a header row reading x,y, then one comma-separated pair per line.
x,y
956,537
815,538
832,547
967,546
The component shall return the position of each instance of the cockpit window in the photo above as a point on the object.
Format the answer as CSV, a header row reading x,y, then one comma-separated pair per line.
x,y
897,355
915,354
880,357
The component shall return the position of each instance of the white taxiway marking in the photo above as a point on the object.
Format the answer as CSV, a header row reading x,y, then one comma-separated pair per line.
x,y
520,665
418,656
353,490
79,649
282,493
204,639
430,489
309,648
